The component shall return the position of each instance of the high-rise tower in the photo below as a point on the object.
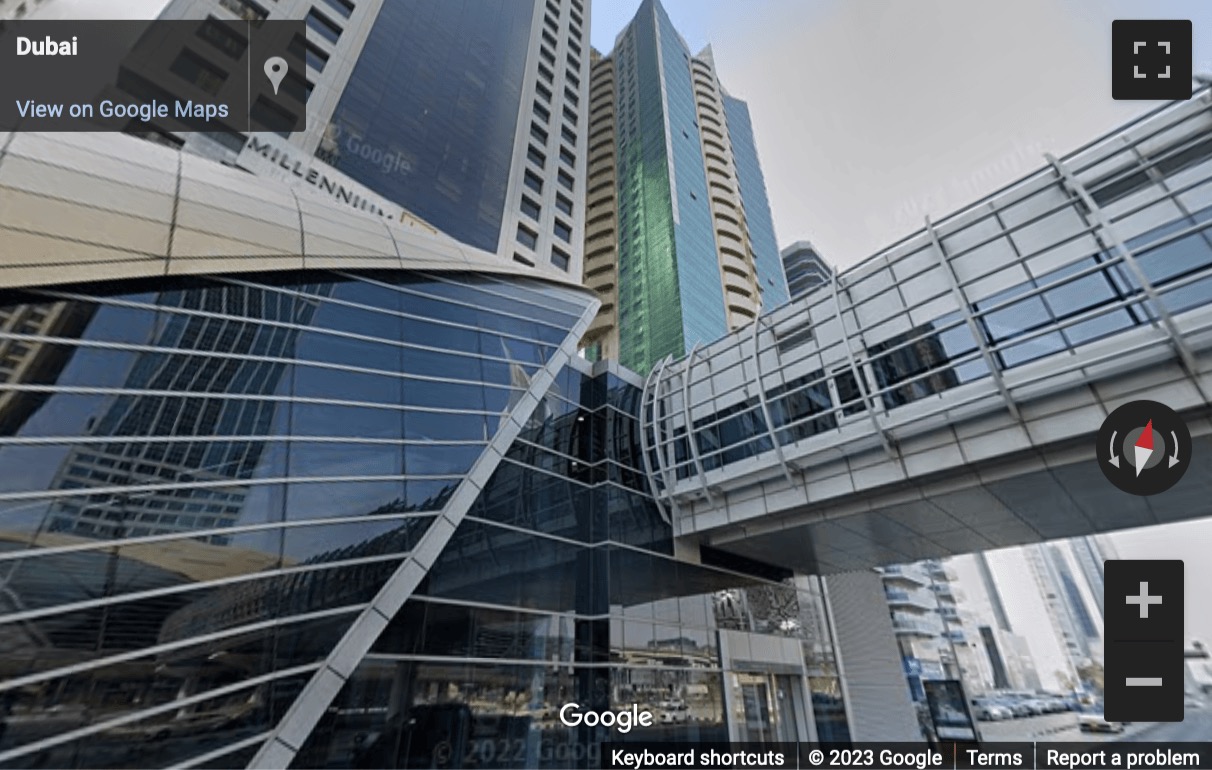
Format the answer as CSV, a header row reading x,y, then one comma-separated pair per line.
x,y
467,114
679,246
805,268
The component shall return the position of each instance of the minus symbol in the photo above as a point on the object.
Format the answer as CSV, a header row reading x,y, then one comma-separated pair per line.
x,y
1143,681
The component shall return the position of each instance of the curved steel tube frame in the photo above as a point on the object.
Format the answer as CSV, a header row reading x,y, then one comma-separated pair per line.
x,y
690,437
859,379
757,363
1106,233
645,448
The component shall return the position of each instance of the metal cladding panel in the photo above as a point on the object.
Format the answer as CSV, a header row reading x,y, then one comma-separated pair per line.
x,y
176,214
877,695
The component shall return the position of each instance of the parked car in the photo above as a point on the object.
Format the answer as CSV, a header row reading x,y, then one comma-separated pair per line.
x,y
1016,707
990,711
1057,704
1035,706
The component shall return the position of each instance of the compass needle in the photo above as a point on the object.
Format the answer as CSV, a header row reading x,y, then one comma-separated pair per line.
x,y
1144,448
1147,436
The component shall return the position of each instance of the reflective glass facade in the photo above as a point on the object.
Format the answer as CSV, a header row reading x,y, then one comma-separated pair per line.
x,y
561,587
770,276
208,479
698,269
689,225
670,295
430,111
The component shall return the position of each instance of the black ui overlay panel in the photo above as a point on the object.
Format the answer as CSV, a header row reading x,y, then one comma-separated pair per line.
x,y
1143,659
210,75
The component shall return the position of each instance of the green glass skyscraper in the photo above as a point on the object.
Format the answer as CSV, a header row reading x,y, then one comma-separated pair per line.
x,y
679,245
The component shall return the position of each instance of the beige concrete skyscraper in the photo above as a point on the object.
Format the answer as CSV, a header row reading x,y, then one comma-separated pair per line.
x,y
679,243
602,209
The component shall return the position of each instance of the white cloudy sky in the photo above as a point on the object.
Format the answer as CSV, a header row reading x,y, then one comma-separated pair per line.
x,y
871,114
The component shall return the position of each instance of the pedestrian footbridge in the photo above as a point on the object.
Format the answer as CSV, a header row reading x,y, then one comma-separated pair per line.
x,y
943,396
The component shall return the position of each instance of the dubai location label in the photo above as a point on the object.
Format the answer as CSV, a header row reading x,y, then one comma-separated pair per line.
x,y
170,76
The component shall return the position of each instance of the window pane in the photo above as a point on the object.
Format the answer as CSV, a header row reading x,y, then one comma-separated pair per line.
x,y
343,7
530,208
527,237
326,29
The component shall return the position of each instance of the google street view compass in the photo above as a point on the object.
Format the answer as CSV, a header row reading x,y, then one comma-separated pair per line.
x,y
1144,447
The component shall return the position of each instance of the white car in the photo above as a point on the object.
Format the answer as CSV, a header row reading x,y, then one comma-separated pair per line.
x,y
1094,722
988,711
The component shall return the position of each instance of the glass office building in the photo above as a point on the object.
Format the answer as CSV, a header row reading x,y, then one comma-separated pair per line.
x,y
690,252
772,282
668,279
467,113
430,111
224,470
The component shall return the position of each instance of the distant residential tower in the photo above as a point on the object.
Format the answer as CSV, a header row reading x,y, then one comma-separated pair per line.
x,y
805,268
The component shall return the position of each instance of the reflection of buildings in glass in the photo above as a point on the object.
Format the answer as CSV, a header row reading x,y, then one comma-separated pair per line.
x,y
444,144
302,590
214,354
446,159
187,615
35,361
73,577
181,617
519,380
908,355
